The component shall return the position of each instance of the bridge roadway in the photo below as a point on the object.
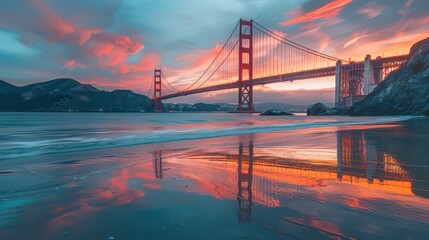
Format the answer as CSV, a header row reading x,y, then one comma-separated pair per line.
x,y
288,77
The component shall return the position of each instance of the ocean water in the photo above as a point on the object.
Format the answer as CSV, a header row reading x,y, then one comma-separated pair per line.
x,y
212,176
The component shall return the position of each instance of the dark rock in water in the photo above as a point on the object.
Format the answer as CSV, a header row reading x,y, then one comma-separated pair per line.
x,y
271,112
336,111
318,109
404,92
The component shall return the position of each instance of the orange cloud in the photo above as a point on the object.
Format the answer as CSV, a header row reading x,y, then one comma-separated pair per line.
x,y
393,40
329,10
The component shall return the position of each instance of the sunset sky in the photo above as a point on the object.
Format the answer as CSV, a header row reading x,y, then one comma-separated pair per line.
x,y
115,44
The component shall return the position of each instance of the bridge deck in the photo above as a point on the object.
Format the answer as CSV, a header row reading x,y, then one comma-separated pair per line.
x,y
288,77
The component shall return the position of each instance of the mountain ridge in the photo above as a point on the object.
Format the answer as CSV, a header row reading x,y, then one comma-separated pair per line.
x,y
69,95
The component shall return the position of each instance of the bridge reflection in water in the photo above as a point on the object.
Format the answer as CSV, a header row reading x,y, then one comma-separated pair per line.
x,y
250,175
245,178
353,184
358,158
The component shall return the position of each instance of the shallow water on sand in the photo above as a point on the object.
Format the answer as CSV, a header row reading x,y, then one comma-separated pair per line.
x,y
212,176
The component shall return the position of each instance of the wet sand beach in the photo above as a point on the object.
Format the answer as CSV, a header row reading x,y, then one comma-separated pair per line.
x,y
213,176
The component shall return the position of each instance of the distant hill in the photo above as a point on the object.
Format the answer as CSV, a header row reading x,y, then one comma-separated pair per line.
x,y
6,88
227,107
198,107
65,94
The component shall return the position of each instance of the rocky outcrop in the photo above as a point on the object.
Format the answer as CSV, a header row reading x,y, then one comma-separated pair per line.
x,y
65,94
336,111
272,112
404,92
318,109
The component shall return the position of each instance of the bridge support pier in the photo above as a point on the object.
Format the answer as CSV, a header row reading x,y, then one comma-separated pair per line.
x,y
378,70
338,84
157,90
245,71
339,155
157,163
368,75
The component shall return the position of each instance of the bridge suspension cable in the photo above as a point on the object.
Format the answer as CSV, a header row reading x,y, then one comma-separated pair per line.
x,y
211,75
272,55
149,93
227,43
173,89
294,44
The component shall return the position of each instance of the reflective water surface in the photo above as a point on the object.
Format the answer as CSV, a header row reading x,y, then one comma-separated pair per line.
x,y
339,181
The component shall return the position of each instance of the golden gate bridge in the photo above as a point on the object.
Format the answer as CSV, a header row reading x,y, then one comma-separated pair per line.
x,y
254,55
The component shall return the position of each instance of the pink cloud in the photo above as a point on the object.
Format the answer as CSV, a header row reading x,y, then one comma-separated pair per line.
x,y
72,64
199,57
109,48
316,36
85,34
138,80
195,62
392,40
54,28
327,11
148,62
119,41
324,42
112,48
52,25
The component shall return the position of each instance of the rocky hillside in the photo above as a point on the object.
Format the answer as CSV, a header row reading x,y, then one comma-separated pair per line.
x,y
66,94
405,91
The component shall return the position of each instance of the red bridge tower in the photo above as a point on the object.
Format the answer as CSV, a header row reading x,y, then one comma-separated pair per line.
x,y
245,67
157,90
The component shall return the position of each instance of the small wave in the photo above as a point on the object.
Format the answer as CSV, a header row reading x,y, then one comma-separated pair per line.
x,y
29,148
